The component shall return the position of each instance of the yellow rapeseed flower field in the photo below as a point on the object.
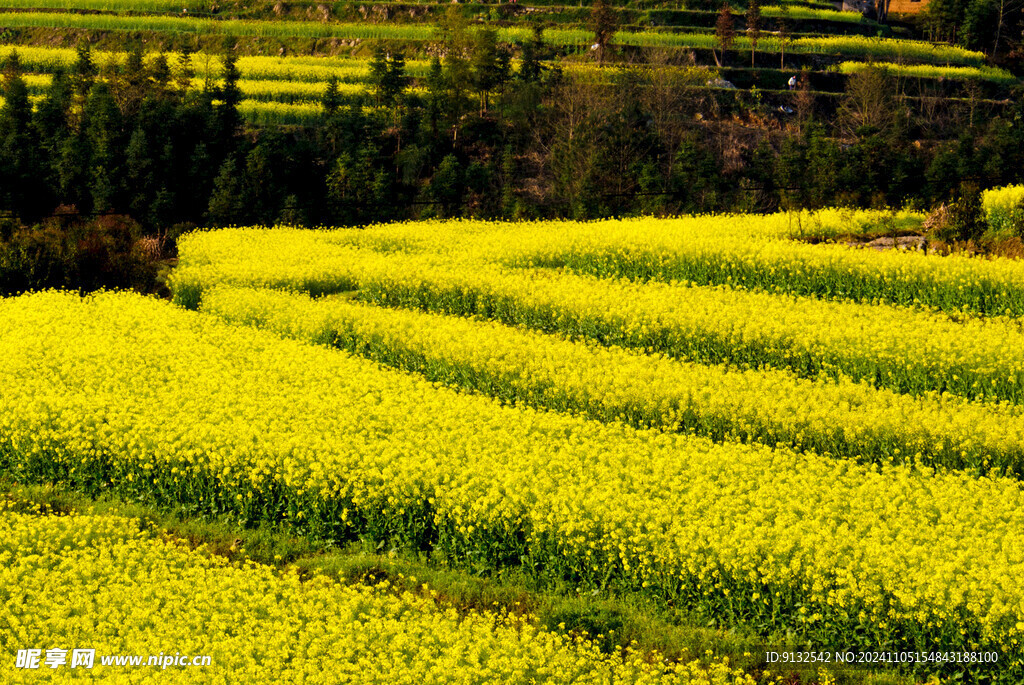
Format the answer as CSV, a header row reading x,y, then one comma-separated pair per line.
x,y
1004,209
611,383
130,393
84,582
899,348
756,252
741,251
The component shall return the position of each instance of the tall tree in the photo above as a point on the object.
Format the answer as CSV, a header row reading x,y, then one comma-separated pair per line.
x,y
159,73
132,83
186,72
140,172
387,74
605,23
530,66
447,187
266,175
84,69
979,26
51,120
331,99
784,35
12,65
753,27
882,10
725,31
804,98
869,105
226,200
1009,12
436,90
358,191
21,171
105,132
455,45
490,64
230,95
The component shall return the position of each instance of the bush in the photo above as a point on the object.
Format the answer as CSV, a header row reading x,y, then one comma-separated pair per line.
x,y
966,218
104,253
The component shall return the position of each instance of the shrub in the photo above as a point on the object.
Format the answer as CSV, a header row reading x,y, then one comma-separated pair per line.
x,y
103,253
966,219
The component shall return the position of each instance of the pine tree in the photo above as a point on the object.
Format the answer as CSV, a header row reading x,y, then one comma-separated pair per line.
x,y
84,69
159,73
104,131
139,173
435,95
447,186
784,36
21,170
387,77
230,96
265,173
490,65
73,172
394,76
331,99
378,72
226,207
980,19
186,72
456,46
51,118
292,213
12,65
133,84
530,66
357,191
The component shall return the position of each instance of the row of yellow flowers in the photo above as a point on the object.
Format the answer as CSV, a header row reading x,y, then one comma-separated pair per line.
x,y
134,394
891,347
84,588
758,252
752,252
611,383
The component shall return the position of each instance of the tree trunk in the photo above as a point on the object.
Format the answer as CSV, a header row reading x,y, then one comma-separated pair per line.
x,y
999,27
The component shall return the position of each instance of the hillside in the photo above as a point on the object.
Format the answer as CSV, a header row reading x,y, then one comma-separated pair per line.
x,y
181,115
829,45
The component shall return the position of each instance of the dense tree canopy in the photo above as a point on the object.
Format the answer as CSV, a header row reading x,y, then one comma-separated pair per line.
x,y
480,138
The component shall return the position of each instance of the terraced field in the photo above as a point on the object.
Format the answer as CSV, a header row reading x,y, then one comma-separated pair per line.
x,y
321,41
841,465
